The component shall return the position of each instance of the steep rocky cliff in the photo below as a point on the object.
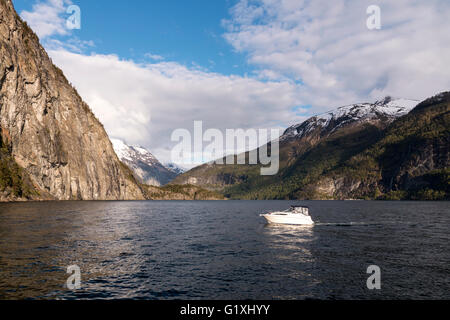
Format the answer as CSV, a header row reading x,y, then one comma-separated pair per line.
x,y
49,132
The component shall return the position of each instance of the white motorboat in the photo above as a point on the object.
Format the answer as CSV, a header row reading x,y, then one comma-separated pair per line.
x,y
297,215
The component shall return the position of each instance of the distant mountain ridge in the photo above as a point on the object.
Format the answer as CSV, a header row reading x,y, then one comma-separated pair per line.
x,y
175,168
144,164
386,110
317,157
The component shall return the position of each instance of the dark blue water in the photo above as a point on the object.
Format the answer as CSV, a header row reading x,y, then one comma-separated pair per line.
x,y
224,250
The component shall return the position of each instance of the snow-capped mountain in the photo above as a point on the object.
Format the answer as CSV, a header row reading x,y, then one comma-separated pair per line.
x,y
131,153
144,165
386,110
175,168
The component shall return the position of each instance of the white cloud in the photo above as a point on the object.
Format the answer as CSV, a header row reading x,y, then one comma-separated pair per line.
x,y
327,46
155,57
46,18
145,103
72,44
316,53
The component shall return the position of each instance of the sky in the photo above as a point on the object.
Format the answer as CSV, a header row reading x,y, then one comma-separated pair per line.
x,y
147,68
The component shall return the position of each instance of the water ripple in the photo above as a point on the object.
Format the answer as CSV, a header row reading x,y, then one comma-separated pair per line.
x,y
223,250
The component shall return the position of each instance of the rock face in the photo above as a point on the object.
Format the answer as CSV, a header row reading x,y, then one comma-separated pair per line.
x,y
146,168
50,132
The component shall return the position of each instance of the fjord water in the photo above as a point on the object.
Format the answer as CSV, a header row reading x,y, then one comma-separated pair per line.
x,y
223,250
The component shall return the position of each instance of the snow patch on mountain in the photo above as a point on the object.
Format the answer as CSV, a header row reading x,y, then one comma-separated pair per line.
x,y
144,164
387,109
130,153
175,168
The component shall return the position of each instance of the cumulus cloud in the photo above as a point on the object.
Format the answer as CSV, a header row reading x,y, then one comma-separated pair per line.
x,y
46,18
144,103
327,47
317,53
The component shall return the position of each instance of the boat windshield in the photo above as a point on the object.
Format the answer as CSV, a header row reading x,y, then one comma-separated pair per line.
x,y
299,210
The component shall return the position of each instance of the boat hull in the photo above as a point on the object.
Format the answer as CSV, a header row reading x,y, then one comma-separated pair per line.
x,y
289,219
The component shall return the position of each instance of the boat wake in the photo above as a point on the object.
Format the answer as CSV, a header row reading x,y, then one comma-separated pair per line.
x,y
346,224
